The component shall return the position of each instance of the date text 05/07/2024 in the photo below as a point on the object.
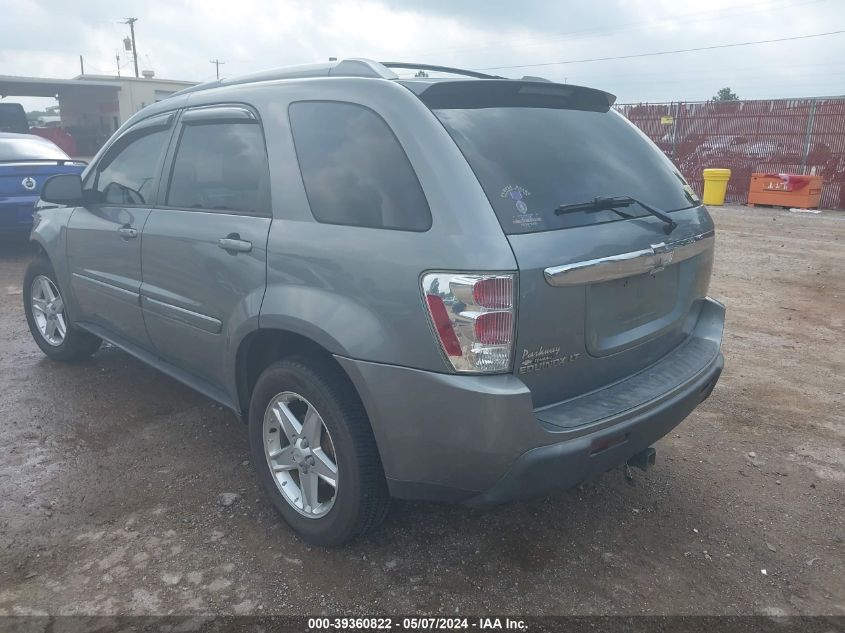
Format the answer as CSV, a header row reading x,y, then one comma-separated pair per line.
x,y
416,624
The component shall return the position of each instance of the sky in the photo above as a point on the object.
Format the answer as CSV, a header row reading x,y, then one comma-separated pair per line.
x,y
178,38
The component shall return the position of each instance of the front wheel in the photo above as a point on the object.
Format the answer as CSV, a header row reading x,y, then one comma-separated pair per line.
x,y
315,453
48,319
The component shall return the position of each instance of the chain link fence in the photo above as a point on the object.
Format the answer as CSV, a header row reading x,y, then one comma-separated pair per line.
x,y
798,136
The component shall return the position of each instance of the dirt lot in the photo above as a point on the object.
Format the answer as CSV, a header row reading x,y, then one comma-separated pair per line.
x,y
111,476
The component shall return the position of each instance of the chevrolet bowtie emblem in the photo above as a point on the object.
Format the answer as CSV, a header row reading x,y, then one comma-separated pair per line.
x,y
662,256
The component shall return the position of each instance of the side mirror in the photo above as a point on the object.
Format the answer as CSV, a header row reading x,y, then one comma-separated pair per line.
x,y
63,189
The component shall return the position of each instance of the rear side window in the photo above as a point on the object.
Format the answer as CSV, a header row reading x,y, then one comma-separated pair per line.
x,y
354,170
532,160
127,174
221,167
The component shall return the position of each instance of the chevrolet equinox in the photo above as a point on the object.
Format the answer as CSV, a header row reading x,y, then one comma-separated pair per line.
x,y
465,288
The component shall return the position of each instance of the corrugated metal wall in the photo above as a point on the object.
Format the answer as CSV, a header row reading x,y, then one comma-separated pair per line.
x,y
801,136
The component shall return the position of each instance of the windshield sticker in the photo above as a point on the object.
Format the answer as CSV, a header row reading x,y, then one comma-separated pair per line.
x,y
522,217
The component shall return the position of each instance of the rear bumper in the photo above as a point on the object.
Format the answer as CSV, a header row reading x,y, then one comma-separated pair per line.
x,y
568,463
16,214
478,440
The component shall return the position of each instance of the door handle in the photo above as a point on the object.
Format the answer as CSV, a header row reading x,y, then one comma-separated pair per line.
x,y
234,244
127,232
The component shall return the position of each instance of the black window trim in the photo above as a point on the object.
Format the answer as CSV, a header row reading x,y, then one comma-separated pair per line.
x,y
398,142
219,113
161,121
211,114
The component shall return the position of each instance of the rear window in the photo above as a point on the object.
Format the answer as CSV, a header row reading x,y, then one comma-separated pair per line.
x,y
530,161
34,148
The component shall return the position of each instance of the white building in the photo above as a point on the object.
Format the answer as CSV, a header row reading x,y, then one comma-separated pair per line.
x,y
93,106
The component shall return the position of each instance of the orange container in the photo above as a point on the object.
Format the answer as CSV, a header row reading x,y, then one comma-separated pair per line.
x,y
785,190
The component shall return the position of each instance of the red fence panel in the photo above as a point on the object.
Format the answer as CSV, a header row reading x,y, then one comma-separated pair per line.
x,y
804,136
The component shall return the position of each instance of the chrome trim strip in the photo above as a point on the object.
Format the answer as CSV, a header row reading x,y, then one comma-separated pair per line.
x,y
648,260
188,317
111,290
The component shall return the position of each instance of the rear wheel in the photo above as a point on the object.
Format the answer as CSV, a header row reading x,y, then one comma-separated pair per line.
x,y
315,452
48,319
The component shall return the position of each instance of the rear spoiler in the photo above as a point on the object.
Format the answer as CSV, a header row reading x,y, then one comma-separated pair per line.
x,y
509,93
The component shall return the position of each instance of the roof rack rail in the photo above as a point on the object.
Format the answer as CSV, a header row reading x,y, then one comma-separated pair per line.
x,y
353,67
440,69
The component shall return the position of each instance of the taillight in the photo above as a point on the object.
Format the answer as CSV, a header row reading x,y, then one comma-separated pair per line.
x,y
493,328
473,318
493,292
443,326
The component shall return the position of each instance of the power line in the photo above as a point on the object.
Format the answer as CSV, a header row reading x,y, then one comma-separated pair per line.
x,y
653,54
698,16
741,74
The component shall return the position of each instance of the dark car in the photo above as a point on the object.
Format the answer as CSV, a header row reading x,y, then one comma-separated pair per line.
x,y
13,118
26,161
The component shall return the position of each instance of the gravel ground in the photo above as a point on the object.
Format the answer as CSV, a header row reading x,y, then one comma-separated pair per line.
x,y
113,476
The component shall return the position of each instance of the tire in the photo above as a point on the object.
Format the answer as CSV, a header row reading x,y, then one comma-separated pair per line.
x,y
75,344
361,498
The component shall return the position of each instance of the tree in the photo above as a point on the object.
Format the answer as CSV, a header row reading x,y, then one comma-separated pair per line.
x,y
726,94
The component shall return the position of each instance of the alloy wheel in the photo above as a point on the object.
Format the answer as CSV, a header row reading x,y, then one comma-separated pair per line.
x,y
301,454
48,310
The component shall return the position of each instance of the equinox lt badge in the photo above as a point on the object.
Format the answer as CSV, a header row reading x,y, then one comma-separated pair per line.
x,y
544,358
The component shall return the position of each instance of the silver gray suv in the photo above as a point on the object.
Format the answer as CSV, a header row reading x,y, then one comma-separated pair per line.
x,y
468,288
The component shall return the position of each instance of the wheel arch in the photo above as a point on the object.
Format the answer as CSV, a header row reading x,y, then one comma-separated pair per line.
x,y
40,249
49,235
264,346
48,229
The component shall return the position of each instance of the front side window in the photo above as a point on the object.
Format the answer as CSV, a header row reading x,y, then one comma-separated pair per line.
x,y
128,173
221,167
354,170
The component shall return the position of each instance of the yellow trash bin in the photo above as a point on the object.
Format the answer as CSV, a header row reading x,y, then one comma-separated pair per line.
x,y
716,185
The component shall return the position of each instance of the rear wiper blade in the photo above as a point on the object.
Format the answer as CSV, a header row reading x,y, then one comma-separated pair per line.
x,y
613,204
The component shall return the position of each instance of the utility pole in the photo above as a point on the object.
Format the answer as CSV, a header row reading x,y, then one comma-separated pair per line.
x,y
117,61
131,23
81,66
216,63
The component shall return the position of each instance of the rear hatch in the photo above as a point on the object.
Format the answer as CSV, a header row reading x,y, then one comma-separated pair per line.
x,y
603,293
